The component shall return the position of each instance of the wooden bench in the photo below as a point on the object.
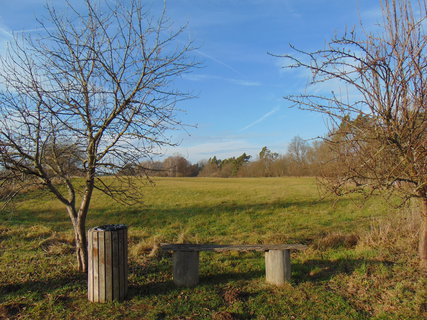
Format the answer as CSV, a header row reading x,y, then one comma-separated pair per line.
x,y
186,260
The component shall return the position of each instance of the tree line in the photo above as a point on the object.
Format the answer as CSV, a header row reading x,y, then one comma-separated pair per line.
x,y
303,158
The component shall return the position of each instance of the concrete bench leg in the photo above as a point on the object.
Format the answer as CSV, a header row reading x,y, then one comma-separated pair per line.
x,y
186,268
277,266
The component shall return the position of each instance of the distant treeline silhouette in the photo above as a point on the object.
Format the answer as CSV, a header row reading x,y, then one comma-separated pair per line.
x,y
301,159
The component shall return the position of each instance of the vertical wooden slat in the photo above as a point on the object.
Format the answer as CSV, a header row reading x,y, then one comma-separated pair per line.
x,y
121,264
101,266
95,260
108,267
90,271
115,256
126,260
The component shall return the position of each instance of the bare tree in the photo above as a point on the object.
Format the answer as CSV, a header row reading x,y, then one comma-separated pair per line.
x,y
298,150
178,166
93,92
380,136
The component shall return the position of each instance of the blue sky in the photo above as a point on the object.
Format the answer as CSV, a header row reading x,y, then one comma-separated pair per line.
x,y
240,88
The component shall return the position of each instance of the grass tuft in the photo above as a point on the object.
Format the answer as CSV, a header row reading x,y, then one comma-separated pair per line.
x,y
395,232
336,240
38,231
57,244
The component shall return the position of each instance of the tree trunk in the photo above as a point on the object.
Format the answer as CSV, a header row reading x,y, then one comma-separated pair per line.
x,y
79,224
81,243
80,238
423,234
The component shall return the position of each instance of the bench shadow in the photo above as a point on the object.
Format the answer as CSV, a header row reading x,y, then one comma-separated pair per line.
x,y
310,271
315,270
221,278
318,270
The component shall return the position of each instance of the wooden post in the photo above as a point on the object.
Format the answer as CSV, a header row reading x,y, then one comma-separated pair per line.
x,y
186,268
277,266
108,266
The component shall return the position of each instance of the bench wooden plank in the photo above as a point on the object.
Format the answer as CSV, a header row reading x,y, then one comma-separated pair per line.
x,y
221,248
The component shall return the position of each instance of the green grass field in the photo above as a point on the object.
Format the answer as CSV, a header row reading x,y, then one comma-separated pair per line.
x,y
361,262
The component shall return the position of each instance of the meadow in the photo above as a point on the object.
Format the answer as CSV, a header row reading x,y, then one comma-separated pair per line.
x,y
361,261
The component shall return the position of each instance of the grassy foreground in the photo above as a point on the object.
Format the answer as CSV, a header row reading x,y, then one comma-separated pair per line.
x,y
361,262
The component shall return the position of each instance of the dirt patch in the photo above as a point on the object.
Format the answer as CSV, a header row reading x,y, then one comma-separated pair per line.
x,y
232,295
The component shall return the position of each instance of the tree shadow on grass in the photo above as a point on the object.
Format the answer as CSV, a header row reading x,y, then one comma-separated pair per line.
x,y
155,277
43,287
157,216
150,289
139,217
168,286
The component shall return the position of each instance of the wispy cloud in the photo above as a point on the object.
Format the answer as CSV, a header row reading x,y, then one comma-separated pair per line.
x,y
260,119
198,77
244,83
205,77
32,30
7,33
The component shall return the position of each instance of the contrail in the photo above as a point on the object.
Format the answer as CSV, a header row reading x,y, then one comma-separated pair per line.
x,y
219,61
265,116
